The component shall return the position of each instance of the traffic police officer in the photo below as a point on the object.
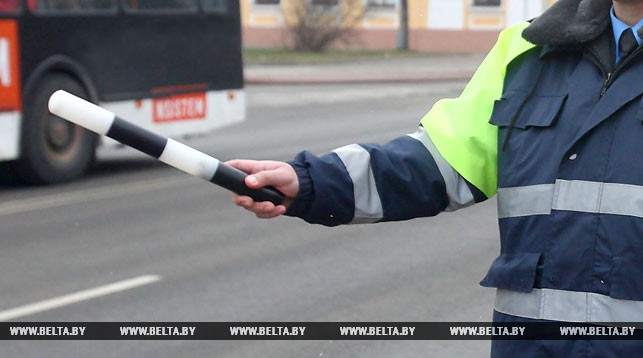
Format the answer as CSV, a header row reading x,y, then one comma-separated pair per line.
x,y
552,121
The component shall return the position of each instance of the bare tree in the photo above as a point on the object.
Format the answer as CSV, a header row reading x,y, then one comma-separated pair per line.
x,y
314,25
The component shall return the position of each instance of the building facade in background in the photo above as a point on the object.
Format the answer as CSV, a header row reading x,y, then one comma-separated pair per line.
x,y
434,25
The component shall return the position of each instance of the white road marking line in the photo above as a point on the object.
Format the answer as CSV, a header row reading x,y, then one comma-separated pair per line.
x,y
77,297
88,195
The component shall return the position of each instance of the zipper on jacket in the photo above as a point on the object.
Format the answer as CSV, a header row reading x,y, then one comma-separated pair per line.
x,y
607,83
611,76
605,69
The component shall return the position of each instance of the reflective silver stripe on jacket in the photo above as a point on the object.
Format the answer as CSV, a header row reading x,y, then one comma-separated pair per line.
x,y
568,306
458,191
368,206
571,195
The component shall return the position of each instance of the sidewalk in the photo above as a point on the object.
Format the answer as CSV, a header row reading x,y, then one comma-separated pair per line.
x,y
406,69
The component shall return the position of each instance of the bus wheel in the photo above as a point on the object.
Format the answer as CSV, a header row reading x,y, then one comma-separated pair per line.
x,y
52,149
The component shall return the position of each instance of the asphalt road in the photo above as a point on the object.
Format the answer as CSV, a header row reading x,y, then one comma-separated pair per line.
x,y
188,254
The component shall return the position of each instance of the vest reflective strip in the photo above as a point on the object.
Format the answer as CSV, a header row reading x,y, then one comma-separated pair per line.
x,y
567,306
571,195
458,191
368,206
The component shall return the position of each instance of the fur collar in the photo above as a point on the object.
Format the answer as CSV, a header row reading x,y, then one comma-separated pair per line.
x,y
569,22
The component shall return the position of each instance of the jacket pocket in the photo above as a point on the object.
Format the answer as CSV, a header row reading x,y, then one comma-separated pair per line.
x,y
626,278
534,111
516,272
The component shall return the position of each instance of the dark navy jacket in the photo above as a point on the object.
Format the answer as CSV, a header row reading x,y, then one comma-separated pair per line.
x,y
570,183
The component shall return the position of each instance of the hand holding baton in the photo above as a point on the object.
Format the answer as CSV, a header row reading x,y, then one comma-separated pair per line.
x,y
169,151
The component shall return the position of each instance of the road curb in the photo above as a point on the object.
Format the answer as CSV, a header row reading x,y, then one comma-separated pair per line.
x,y
264,79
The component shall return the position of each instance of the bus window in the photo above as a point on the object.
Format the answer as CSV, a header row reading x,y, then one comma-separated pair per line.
x,y
161,5
66,6
8,5
214,6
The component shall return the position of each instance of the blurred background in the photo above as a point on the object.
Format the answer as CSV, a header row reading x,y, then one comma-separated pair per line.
x,y
419,25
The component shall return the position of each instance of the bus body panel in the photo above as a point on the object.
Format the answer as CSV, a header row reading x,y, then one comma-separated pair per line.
x,y
221,108
178,74
9,135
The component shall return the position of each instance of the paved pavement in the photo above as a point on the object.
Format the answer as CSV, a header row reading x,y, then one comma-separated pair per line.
x,y
407,69
195,257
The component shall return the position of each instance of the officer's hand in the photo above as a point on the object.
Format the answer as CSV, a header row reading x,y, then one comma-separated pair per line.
x,y
279,175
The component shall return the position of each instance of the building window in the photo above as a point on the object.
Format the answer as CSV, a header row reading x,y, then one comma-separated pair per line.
x,y
169,6
267,2
382,3
325,2
216,6
489,3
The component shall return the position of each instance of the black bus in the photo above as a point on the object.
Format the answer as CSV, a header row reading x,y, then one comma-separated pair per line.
x,y
172,66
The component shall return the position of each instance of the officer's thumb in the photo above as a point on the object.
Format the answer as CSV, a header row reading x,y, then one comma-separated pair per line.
x,y
271,177
253,182
263,178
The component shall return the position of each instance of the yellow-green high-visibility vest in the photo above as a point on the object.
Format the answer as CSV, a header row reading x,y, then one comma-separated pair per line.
x,y
460,127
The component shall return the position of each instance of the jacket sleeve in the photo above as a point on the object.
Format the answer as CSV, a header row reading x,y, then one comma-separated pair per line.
x,y
449,163
366,183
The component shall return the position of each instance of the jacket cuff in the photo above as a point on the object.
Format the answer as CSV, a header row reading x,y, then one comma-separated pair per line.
x,y
301,205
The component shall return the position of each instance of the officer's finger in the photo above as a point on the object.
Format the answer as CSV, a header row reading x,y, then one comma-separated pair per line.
x,y
273,177
264,210
248,166
267,212
243,201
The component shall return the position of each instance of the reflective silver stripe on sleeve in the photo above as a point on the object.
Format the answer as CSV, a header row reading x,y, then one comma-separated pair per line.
x,y
569,306
458,191
368,206
571,195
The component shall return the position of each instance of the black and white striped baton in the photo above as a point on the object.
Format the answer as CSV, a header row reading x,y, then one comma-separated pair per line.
x,y
169,151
